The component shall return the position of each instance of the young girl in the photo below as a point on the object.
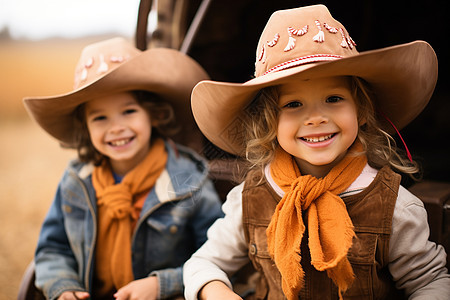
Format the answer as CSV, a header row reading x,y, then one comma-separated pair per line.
x,y
321,215
134,207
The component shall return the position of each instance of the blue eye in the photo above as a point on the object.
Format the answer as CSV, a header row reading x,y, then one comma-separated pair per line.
x,y
334,99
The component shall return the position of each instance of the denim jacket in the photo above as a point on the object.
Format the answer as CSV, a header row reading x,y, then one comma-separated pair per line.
x,y
173,223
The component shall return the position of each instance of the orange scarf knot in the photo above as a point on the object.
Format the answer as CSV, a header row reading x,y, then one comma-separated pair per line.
x,y
306,189
119,204
330,228
113,266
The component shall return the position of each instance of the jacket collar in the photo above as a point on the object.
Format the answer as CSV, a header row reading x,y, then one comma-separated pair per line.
x,y
185,173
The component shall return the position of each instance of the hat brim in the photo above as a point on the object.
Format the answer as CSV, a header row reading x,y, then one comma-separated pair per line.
x,y
402,77
165,72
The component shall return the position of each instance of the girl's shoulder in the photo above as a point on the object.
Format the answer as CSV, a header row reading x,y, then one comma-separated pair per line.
x,y
79,167
76,174
184,158
185,168
406,200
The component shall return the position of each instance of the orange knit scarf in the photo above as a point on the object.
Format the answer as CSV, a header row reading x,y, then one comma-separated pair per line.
x,y
330,228
115,206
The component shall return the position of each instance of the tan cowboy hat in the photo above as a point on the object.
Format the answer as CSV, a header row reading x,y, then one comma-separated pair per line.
x,y
306,43
114,66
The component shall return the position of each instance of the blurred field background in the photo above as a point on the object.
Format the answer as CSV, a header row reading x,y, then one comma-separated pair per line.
x,y
40,44
31,162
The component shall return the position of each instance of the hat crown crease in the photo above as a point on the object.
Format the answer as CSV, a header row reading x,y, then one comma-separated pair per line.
x,y
299,36
103,57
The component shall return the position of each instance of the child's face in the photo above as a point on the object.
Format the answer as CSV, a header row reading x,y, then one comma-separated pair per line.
x,y
120,129
317,123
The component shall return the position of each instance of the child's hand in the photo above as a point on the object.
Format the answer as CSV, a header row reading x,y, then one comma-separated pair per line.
x,y
146,288
74,296
217,290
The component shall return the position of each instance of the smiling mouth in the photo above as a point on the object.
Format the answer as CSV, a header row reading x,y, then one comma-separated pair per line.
x,y
318,139
119,143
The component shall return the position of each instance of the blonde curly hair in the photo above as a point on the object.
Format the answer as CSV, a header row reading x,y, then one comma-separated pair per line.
x,y
260,131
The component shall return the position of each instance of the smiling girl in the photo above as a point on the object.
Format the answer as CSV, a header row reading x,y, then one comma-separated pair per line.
x,y
321,213
317,122
134,206
120,129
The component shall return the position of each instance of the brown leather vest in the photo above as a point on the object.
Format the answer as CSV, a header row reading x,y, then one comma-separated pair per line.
x,y
371,212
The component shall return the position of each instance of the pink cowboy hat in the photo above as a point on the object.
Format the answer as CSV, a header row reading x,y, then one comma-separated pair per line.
x,y
307,43
114,66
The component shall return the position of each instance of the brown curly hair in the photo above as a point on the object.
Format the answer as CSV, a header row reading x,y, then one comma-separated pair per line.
x,y
158,109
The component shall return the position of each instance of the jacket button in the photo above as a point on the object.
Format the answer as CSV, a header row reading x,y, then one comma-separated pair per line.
x,y
252,249
173,229
67,208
